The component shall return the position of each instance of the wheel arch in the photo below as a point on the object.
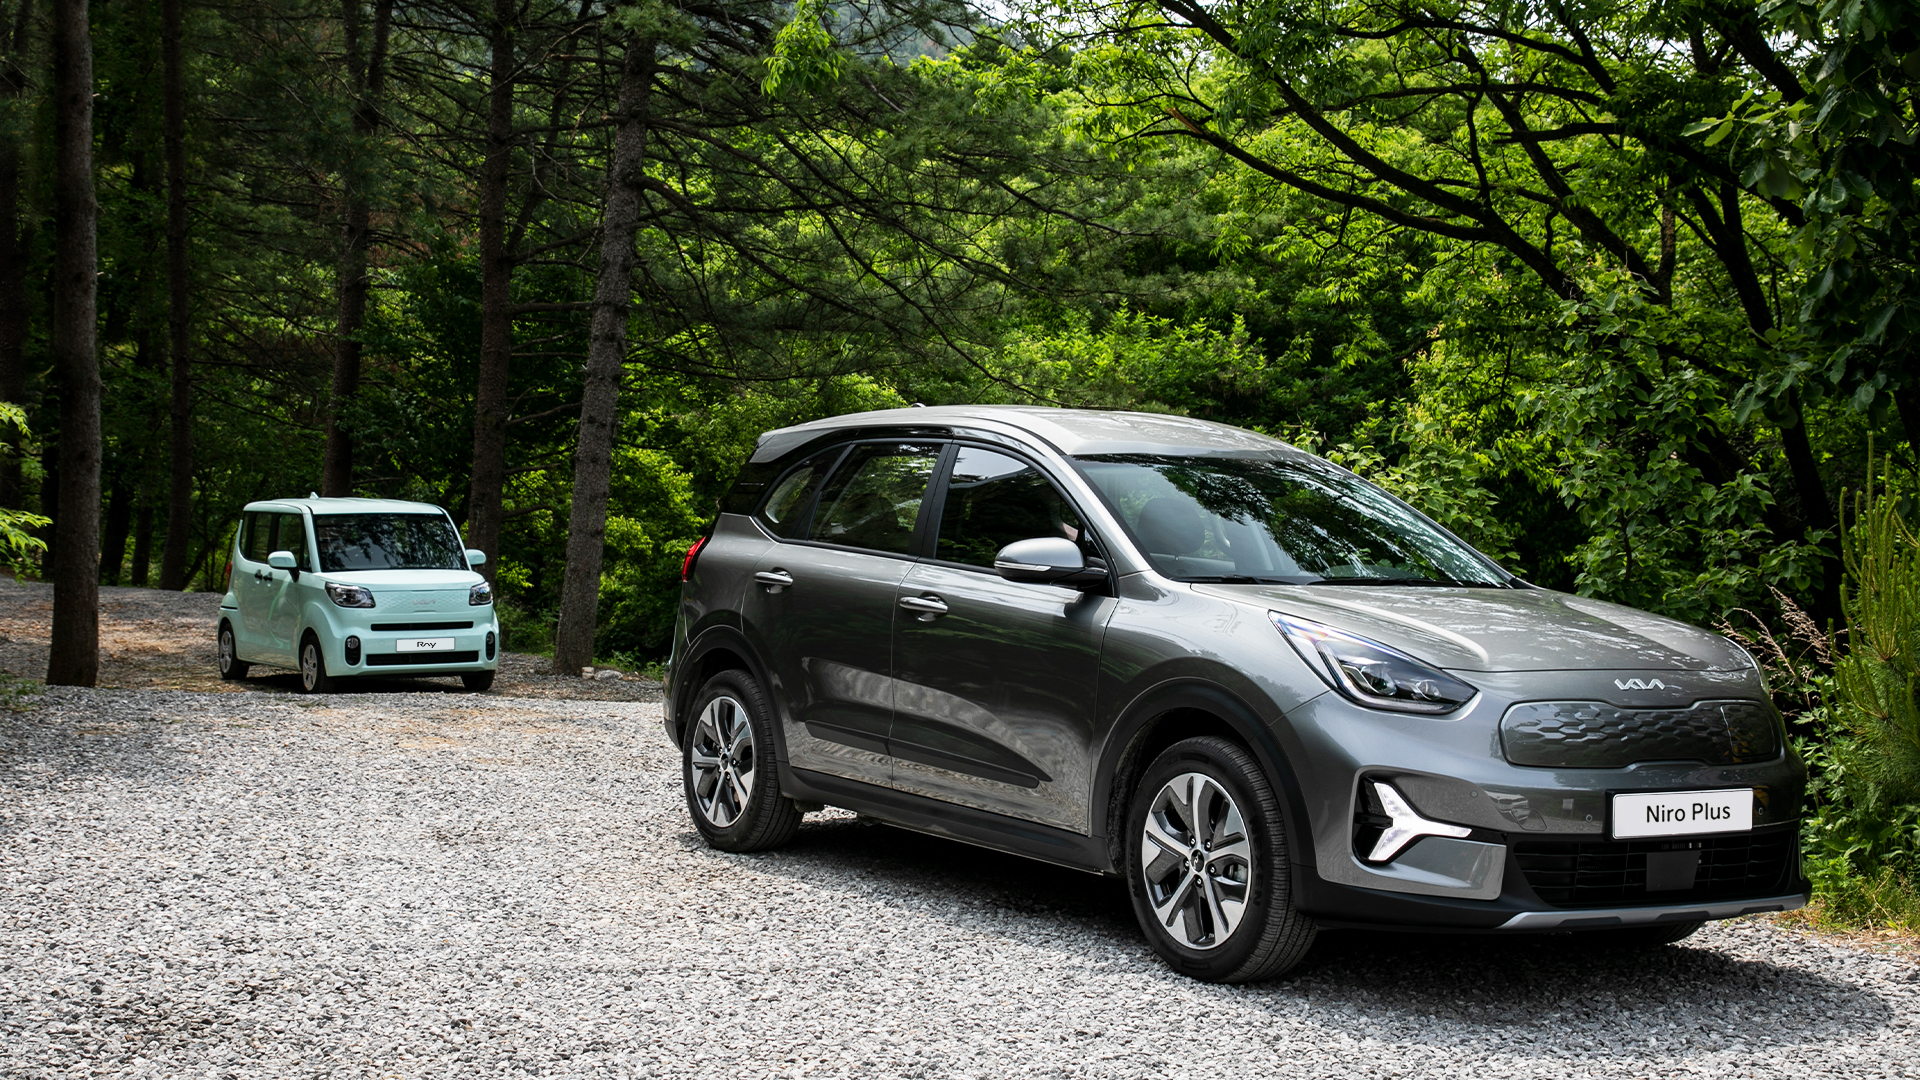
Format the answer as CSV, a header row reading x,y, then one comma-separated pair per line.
x,y
720,648
1180,709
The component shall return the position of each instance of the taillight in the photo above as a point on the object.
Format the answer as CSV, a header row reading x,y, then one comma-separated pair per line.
x,y
228,585
693,553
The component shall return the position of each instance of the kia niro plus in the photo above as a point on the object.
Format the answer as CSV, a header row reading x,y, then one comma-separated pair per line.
x,y
1269,695
335,588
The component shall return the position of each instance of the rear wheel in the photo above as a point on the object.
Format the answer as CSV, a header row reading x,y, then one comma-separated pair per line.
x,y
232,668
1207,865
313,667
733,789
477,681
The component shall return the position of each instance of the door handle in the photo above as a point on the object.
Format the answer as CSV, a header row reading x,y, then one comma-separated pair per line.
x,y
774,580
928,607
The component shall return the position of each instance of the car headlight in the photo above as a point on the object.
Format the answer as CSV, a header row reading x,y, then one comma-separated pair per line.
x,y
480,594
1371,674
349,595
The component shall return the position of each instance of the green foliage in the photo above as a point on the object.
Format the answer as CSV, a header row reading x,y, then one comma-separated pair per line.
x,y
16,543
1877,676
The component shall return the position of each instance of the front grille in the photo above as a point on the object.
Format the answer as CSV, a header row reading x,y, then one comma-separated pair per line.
x,y
1591,735
409,627
396,659
1608,873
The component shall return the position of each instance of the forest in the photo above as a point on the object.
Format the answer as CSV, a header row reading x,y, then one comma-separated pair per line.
x,y
1618,290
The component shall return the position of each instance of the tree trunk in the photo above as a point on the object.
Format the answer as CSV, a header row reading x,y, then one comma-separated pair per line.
x,y
74,655
13,271
1907,403
142,538
352,283
487,494
1816,512
113,546
173,555
606,360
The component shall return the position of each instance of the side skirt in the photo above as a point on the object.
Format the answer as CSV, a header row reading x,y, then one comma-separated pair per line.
x,y
977,827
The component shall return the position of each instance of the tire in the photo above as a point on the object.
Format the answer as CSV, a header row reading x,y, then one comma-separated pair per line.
x,y
1216,902
477,681
313,668
232,668
1640,937
726,766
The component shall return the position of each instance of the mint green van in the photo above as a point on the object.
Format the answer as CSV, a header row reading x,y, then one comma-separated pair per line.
x,y
335,588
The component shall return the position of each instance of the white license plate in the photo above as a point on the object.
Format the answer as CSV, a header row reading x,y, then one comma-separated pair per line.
x,y
1682,813
425,644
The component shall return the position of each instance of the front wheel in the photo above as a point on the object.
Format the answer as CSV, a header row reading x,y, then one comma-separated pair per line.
x,y
232,668
313,668
1207,865
733,789
477,681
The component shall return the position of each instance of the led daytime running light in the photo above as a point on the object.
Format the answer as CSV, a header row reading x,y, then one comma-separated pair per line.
x,y
1371,674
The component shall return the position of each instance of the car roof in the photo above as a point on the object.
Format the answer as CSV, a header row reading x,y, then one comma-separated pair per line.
x,y
1070,431
318,505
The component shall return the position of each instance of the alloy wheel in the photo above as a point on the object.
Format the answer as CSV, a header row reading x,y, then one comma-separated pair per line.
x,y
227,655
310,665
1196,861
723,761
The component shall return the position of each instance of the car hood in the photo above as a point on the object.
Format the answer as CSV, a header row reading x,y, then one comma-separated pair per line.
x,y
385,581
1500,629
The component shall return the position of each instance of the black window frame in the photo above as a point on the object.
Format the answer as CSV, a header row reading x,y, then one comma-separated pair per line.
x,y
937,497
915,542
804,520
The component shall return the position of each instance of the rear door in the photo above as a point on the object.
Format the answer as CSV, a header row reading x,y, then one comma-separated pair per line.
x,y
821,604
993,690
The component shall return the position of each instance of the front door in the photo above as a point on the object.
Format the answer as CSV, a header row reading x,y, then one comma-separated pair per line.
x,y
823,608
283,605
993,689
252,592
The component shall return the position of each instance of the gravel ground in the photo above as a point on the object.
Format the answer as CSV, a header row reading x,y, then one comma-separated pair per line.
x,y
408,882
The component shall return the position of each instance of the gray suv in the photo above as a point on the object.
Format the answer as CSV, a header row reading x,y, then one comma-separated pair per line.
x,y
1268,694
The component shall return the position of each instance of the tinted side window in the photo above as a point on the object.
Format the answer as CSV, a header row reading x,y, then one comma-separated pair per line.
x,y
785,512
259,533
872,499
292,537
994,500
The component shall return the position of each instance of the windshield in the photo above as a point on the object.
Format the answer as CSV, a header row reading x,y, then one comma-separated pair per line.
x,y
1292,521
387,542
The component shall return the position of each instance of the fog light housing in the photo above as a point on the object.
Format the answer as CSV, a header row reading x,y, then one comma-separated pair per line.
x,y
353,649
489,644
1386,824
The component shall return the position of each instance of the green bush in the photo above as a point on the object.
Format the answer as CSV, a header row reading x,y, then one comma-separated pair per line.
x,y
1877,677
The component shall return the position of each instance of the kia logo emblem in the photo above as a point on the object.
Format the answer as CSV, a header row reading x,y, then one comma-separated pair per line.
x,y
1642,684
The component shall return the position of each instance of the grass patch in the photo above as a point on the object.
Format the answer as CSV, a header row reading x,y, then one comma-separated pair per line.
x,y
1884,903
17,692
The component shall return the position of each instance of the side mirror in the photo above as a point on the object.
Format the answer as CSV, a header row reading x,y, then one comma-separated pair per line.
x,y
475,556
1047,560
283,560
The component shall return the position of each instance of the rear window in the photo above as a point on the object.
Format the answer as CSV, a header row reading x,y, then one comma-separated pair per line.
x,y
387,542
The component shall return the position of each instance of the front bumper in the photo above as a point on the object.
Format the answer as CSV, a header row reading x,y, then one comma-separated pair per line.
x,y
1522,848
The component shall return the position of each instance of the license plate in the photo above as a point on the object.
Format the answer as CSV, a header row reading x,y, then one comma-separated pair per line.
x,y
1682,813
425,644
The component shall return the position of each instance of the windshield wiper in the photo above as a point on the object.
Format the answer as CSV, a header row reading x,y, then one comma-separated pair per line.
x,y
1239,579
1386,581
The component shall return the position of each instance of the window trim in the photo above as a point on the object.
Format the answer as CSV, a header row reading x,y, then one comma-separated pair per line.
x,y
939,506
805,519
914,541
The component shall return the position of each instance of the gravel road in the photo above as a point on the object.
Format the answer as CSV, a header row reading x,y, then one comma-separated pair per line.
x,y
407,881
